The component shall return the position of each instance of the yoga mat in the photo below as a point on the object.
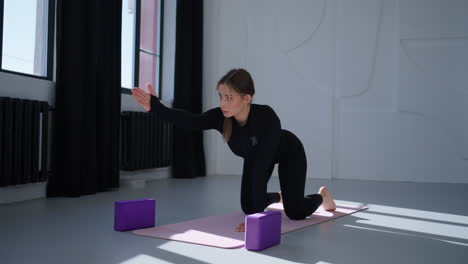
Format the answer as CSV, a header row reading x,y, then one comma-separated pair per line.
x,y
219,230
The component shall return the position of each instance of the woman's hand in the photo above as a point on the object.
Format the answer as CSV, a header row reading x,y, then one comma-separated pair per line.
x,y
142,97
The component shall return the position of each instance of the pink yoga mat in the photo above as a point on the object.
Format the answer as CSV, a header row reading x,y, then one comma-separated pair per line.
x,y
219,230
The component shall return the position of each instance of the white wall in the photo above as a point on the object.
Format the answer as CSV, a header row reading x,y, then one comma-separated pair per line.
x,y
374,89
17,86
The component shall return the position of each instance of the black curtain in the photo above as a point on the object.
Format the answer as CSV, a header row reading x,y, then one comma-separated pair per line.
x,y
85,152
188,158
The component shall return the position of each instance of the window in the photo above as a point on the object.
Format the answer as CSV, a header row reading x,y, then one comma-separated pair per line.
x,y
141,43
26,37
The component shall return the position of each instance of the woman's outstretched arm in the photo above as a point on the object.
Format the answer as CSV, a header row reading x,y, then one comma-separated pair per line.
x,y
211,119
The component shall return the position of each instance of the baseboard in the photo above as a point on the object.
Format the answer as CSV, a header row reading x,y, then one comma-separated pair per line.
x,y
23,192
30,191
139,178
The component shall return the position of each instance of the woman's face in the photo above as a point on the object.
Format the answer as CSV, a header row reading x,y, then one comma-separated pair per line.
x,y
230,102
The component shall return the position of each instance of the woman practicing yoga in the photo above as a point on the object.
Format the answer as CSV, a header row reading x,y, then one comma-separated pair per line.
x,y
252,131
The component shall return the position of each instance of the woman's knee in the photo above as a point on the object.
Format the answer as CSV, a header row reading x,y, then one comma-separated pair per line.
x,y
293,208
251,209
295,214
252,204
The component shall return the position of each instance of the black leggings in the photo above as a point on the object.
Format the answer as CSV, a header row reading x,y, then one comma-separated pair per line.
x,y
292,167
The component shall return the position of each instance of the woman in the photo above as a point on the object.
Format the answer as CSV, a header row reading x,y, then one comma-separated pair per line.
x,y
253,132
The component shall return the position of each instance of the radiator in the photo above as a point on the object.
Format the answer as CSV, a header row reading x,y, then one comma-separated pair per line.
x,y
146,141
23,141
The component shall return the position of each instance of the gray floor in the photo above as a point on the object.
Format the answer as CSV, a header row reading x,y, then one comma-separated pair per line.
x,y
405,223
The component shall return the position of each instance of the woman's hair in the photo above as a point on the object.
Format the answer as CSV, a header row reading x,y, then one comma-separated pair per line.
x,y
240,81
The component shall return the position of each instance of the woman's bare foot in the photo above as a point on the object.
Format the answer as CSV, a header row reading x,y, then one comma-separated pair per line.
x,y
328,204
240,227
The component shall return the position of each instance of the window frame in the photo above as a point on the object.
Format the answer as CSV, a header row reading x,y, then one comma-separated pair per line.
x,y
136,51
50,43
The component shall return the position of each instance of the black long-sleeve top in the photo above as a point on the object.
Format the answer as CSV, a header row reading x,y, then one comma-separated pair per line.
x,y
257,141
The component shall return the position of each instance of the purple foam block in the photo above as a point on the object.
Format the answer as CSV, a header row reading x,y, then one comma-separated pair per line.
x,y
262,230
134,214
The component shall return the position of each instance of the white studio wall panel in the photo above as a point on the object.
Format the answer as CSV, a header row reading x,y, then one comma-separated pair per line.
x,y
433,58
250,34
375,90
210,53
367,89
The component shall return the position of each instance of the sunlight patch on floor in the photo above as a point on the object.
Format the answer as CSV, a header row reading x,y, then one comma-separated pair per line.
x,y
407,234
413,220
144,259
214,255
